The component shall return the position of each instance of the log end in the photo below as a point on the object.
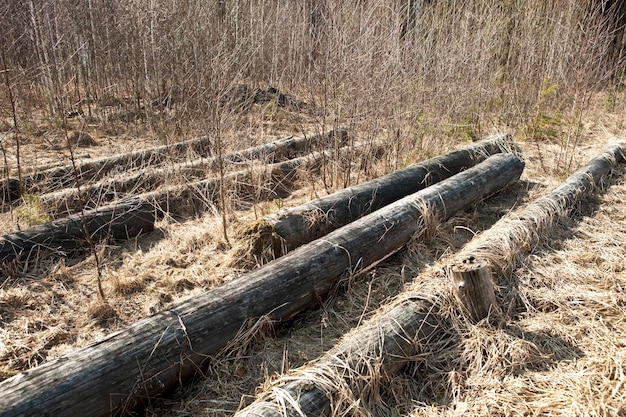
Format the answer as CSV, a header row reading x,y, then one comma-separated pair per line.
x,y
473,288
260,245
10,190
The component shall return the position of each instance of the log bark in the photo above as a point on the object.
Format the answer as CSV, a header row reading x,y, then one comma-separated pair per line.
x,y
343,376
156,353
10,190
63,202
63,176
183,201
65,235
302,224
473,288
251,185
529,224
256,183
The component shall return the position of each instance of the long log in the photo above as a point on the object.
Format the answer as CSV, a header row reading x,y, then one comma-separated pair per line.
x,y
386,342
68,234
254,184
69,200
258,183
289,228
528,225
63,176
153,355
185,200
343,376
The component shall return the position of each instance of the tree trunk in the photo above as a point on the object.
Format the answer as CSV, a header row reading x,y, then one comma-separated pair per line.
x,y
501,250
115,222
153,355
290,228
62,202
63,176
374,351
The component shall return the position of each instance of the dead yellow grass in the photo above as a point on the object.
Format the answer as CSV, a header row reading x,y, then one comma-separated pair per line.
x,y
561,352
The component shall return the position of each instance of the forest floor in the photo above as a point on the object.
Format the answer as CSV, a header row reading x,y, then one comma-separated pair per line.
x,y
562,351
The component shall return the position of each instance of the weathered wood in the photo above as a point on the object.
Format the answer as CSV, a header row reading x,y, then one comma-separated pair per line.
x,y
315,399
309,221
519,232
258,183
89,170
158,352
61,236
473,288
376,350
63,202
63,176
186,200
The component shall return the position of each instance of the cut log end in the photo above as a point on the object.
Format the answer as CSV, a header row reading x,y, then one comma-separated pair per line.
x,y
473,288
261,245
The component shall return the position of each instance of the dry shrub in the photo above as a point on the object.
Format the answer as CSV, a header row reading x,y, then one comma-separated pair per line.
x,y
102,312
127,284
419,74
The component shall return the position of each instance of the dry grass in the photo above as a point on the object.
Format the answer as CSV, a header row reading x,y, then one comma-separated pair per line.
x,y
562,350
181,259
466,70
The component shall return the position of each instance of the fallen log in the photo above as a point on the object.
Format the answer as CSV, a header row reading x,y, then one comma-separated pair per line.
x,y
118,372
287,229
63,202
518,233
185,200
10,190
352,371
386,342
254,184
64,177
68,234
257,183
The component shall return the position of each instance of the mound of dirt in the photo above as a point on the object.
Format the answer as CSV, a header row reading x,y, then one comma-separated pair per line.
x,y
81,139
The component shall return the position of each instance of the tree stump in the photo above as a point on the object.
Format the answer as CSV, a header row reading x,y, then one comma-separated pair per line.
x,y
473,288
